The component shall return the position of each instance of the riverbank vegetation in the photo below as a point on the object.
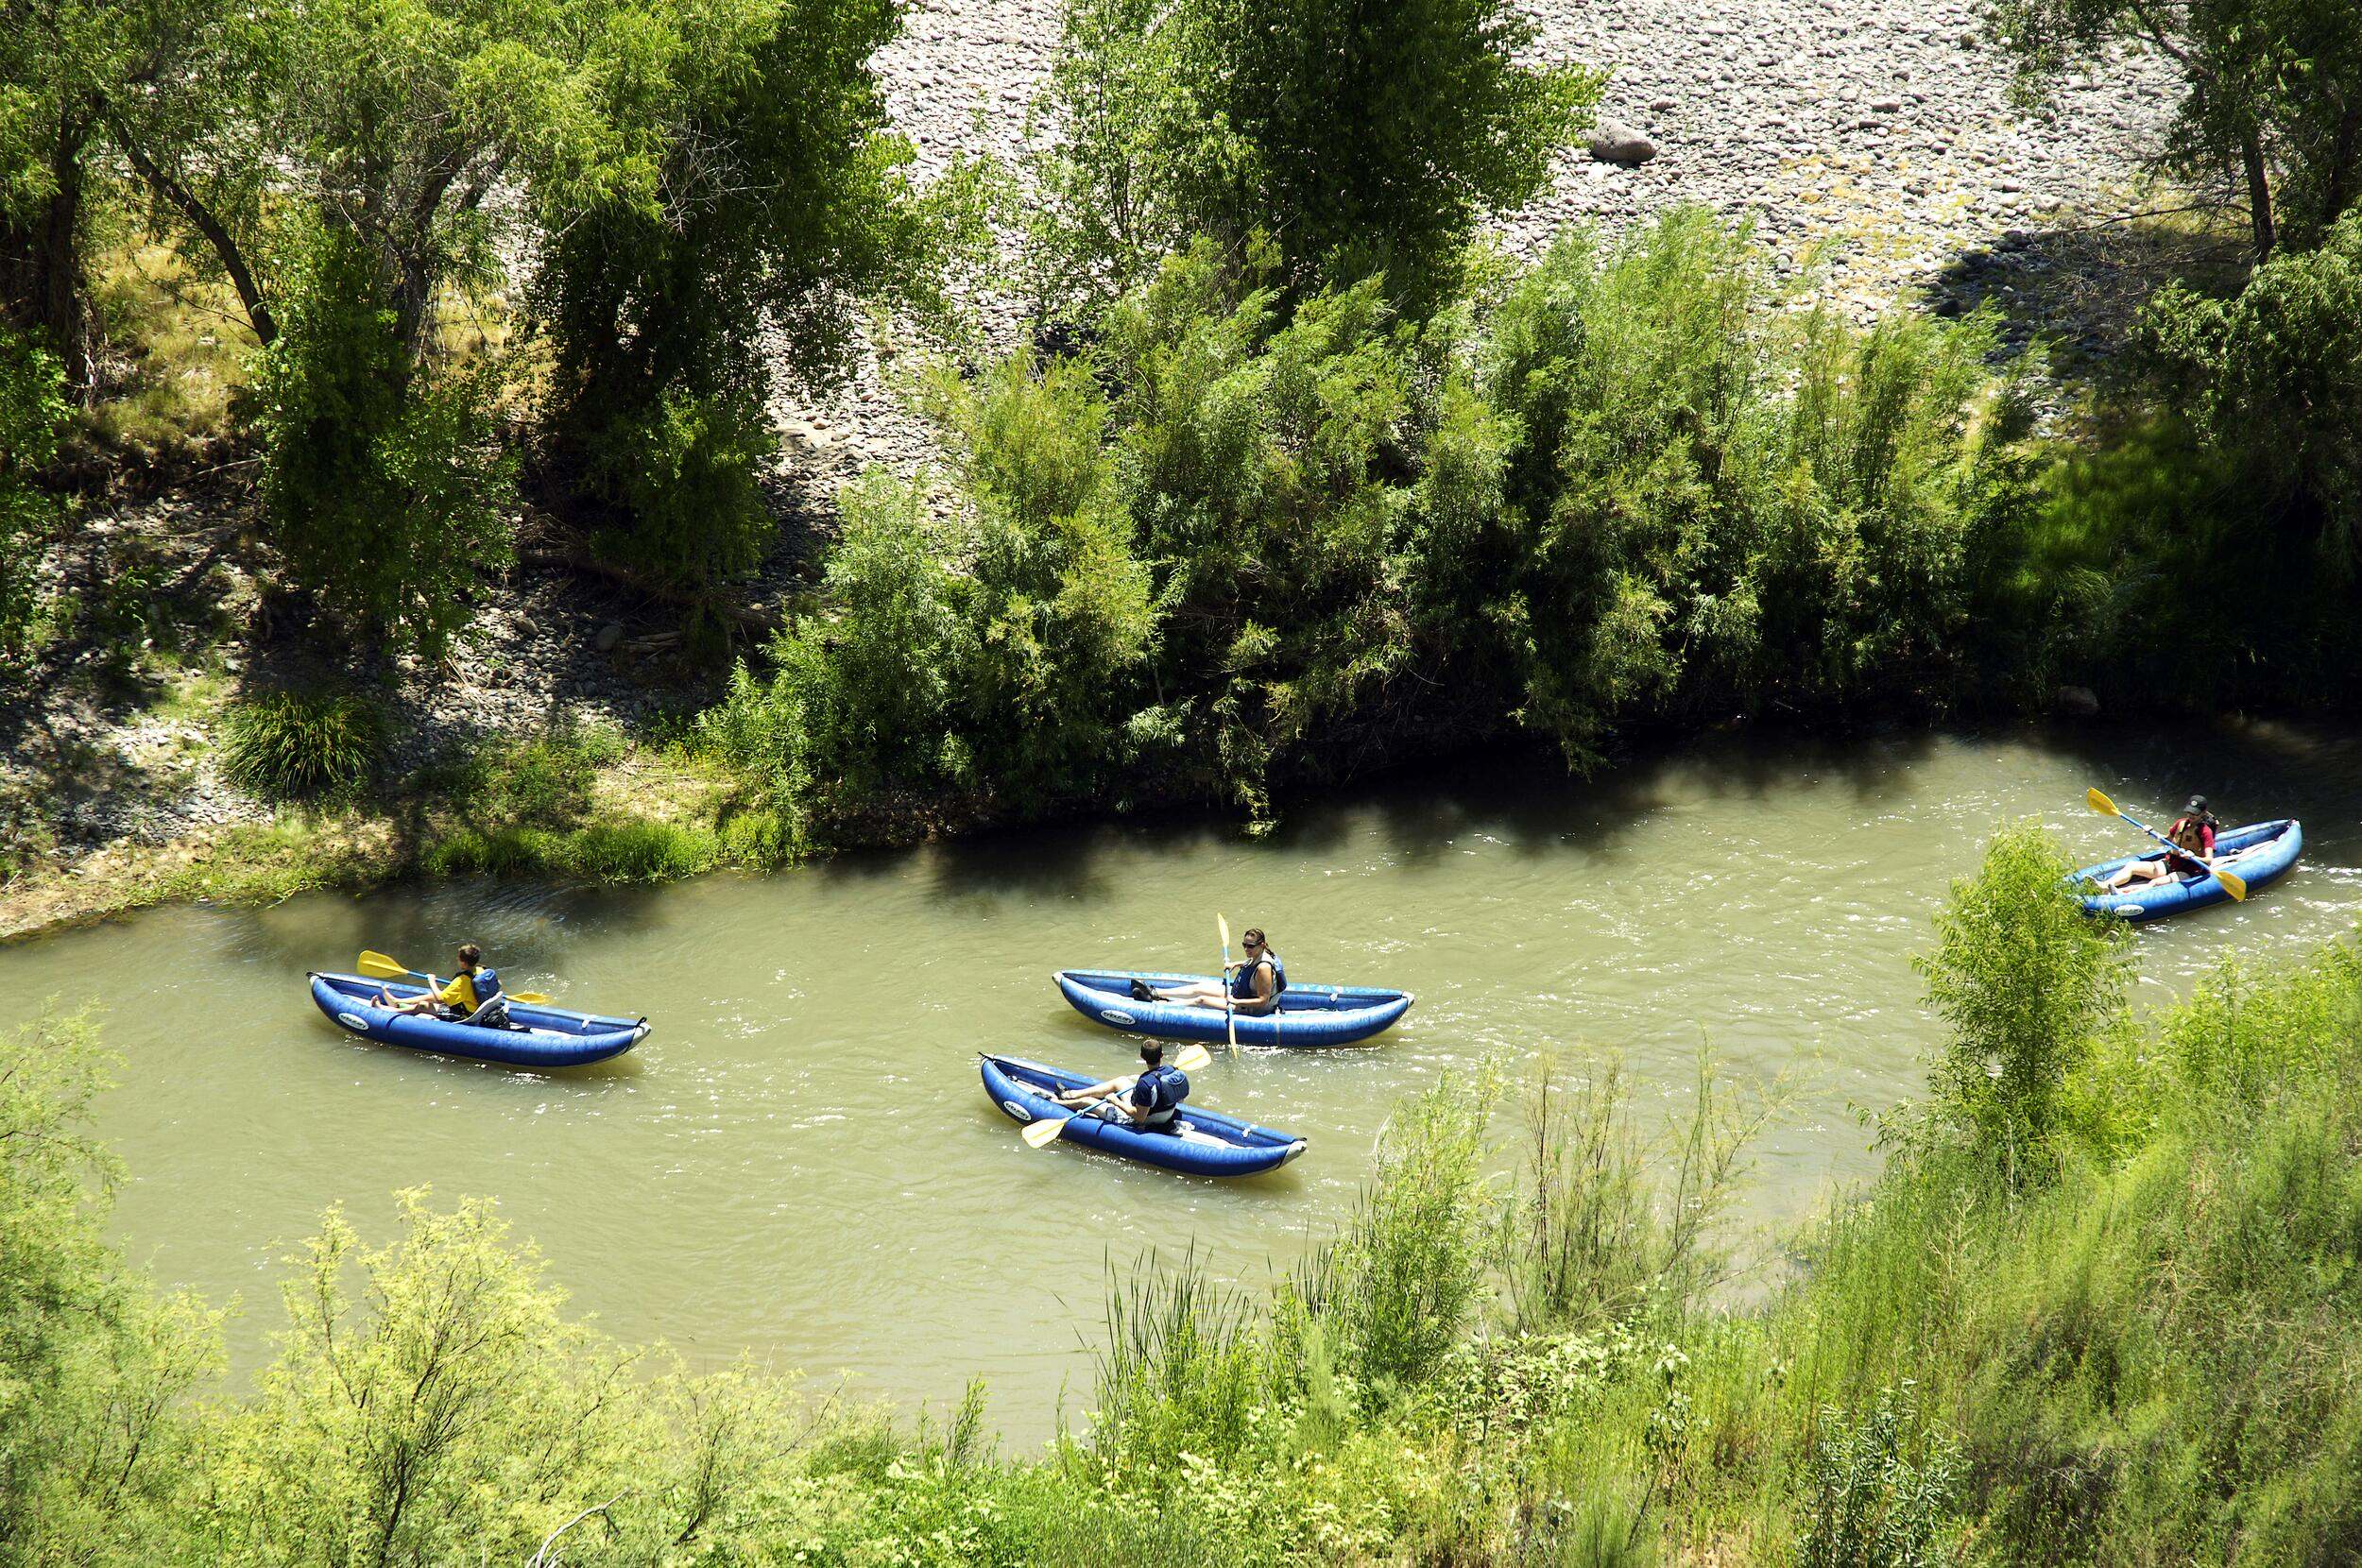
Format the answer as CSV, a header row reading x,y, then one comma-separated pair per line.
x,y
1289,476
2099,1308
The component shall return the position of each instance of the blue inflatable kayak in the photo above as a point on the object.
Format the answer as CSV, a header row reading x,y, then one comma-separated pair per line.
x,y
1198,1143
550,1037
1308,1015
2259,853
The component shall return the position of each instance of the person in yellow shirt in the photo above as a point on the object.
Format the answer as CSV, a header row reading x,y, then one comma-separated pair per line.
x,y
472,993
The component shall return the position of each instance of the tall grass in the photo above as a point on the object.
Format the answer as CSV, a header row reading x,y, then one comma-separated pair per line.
x,y
293,745
1597,1231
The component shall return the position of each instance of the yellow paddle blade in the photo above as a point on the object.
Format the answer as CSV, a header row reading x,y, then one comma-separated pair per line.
x,y
2232,885
2101,804
1224,926
1041,1134
1191,1058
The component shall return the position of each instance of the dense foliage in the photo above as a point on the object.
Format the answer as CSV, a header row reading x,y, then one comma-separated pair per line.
x,y
2021,975
371,181
32,418
382,480
2207,554
1232,542
756,187
1246,121
2147,1356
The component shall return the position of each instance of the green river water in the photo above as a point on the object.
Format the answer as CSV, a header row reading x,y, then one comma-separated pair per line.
x,y
800,1163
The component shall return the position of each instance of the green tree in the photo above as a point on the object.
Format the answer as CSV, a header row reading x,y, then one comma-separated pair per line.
x,y
2024,978
60,63
1354,138
32,417
339,164
2272,379
92,1359
752,198
2272,91
383,484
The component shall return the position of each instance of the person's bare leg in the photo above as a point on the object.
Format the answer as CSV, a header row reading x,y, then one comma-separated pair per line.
x,y
1080,1099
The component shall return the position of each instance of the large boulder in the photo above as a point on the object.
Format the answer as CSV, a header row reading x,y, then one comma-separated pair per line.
x,y
1613,142
2076,702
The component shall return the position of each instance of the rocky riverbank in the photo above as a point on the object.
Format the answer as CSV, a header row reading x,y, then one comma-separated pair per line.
x,y
1874,146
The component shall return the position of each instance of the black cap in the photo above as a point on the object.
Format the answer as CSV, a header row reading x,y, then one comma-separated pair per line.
x,y
2197,803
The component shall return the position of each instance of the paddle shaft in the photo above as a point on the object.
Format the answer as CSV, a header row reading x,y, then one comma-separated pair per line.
x,y
1034,1138
1229,1002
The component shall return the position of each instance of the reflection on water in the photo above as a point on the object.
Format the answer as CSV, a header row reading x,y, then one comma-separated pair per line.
x,y
800,1163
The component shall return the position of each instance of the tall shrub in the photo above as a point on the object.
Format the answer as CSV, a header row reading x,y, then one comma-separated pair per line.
x,y
381,478
1709,511
752,195
1412,1272
93,1362
1349,138
32,419
2024,978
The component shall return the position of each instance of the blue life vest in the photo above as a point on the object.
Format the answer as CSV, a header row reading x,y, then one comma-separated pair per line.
x,y
1160,1092
1243,984
491,1007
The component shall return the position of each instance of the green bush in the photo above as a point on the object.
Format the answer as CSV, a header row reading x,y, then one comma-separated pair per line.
x,y
683,472
631,851
295,746
761,838
382,484
32,419
1230,544
1245,121
1711,512
1594,1237
2274,376
2025,980
1411,1272
1879,1491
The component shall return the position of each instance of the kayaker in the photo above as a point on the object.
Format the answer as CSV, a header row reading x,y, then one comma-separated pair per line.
x,y
473,995
1253,991
2193,831
1152,1100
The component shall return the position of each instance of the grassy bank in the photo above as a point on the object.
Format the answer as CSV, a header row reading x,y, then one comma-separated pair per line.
x,y
2099,1307
574,804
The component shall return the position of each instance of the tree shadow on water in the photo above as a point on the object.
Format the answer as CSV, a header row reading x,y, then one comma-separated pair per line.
x,y
1532,801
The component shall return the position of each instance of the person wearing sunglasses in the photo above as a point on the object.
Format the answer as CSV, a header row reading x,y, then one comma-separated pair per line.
x,y
1254,988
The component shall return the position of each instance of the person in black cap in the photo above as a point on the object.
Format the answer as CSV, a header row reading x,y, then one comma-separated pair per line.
x,y
1250,989
2193,832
